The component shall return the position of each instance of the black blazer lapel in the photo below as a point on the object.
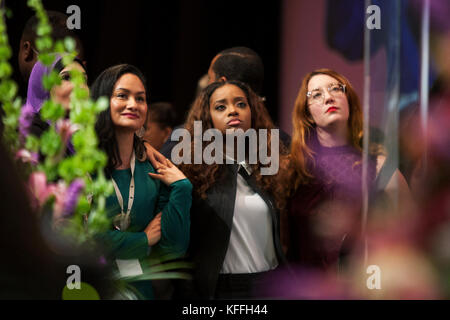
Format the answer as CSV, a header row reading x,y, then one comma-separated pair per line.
x,y
222,196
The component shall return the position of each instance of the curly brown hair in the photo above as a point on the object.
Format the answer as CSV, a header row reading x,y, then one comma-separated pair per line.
x,y
204,176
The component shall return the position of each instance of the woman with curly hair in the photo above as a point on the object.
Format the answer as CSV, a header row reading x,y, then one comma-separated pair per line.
x,y
235,211
325,172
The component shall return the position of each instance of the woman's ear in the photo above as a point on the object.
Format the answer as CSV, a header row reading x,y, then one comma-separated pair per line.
x,y
27,52
167,132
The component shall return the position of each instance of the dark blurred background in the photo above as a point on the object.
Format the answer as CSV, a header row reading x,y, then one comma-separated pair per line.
x,y
172,41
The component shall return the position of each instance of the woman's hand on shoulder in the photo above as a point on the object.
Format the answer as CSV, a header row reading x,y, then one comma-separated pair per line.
x,y
167,173
155,157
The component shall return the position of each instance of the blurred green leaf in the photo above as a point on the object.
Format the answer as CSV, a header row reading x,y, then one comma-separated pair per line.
x,y
81,93
101,104
70,44
46,59
32,143
83,206
51,80
52,111
8,90
44,43
8,13
5,52
59,47
50,142
44,30
49,168
68,58
5,69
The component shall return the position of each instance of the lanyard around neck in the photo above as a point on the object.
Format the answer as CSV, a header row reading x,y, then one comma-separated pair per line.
x,y
131,192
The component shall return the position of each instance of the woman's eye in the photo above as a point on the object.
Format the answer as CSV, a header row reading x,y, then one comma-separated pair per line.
x,y
316,95
220,107
335,88
121,95
140,99
65,77
242,105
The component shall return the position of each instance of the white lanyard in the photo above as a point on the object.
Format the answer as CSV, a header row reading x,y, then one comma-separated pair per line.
x,y
131,192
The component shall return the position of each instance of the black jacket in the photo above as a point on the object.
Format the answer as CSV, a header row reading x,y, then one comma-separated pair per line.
x,y
211,222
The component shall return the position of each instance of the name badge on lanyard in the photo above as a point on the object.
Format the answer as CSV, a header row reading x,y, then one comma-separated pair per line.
x,y
123,220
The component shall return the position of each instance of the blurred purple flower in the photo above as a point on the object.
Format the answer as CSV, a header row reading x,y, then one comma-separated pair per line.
x,y
72,194
25,120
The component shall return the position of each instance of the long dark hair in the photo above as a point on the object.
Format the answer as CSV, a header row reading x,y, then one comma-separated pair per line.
x,y
59,66
103,86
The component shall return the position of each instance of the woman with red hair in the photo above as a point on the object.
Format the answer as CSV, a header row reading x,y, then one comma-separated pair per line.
x,y
325,171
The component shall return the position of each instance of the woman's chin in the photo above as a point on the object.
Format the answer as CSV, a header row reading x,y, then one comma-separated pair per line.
x,y
128,128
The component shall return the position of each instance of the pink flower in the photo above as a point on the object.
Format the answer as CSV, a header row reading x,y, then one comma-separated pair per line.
x,y
41,192
27,156
39,188
66,129
60,192
66,198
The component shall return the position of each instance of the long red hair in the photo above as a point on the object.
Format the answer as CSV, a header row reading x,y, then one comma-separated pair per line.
x,y
303,127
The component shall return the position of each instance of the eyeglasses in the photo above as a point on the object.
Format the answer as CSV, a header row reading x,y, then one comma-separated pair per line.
x,y
318,95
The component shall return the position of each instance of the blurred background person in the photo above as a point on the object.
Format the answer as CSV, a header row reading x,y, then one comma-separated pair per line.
x,y
202,84
160,122
31,121
28,53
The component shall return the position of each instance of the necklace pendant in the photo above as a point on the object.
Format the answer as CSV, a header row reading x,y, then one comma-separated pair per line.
x,y
121,221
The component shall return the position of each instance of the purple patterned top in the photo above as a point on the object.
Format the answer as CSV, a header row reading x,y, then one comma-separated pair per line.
x,y
324,216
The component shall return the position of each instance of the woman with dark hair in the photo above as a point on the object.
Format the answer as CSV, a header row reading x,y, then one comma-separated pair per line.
x,y
146,215
325,171
37,94
235,214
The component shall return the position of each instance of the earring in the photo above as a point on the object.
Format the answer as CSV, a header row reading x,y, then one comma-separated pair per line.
x,y
140,133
